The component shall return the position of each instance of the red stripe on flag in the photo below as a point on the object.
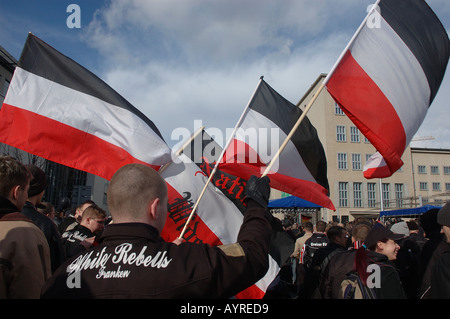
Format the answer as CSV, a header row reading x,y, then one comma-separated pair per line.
x,y
364,103
197,229
252,292
307,190
61,143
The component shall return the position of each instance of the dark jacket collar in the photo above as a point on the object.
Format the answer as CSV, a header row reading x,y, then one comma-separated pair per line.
x,y
129,230
9,211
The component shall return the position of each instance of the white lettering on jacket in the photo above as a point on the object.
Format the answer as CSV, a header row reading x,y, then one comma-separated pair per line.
x,y
122,256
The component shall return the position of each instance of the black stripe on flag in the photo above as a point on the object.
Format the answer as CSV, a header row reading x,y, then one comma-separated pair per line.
x,y
417,25
43,60
284,114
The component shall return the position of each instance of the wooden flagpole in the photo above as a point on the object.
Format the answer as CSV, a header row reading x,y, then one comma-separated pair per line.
x,y
219,160
294,128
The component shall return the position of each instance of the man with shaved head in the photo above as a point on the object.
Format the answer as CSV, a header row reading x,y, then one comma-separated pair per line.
x,y
131,260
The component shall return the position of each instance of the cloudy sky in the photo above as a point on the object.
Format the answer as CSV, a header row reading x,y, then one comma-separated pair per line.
x,y
181,61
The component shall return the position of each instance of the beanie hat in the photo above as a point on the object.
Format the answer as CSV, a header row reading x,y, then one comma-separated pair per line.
x,y
400,228
443,216
38,181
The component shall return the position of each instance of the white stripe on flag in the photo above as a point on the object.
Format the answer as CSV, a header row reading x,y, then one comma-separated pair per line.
x,y
108,122
387,60
221,216
290,163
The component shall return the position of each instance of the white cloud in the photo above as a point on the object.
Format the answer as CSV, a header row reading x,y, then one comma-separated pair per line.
x,y
180,61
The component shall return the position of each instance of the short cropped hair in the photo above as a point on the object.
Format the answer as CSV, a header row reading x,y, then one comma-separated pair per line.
x,y
321,226
360,231
12,173
93,212
131,188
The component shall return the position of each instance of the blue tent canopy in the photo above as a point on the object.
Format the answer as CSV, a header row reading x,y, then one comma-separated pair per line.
x,y
408,211
291,201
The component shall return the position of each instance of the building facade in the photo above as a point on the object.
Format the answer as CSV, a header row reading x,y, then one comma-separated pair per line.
x,y
423,179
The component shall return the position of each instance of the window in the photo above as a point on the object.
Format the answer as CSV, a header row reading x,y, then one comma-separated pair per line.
x,y
423,186
338,110
366,140
436,186
5,87
357,195
368,156
447,170
354,134
342,161
371,195
343,193
447,187
399,195
434,170
421,169
385,187
356,162
340,133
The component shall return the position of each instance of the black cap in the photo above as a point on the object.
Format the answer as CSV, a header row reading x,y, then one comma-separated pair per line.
x,y
380,233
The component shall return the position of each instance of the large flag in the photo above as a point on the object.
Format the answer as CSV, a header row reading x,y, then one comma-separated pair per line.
x,y
60,111
388,77
301,168
219,214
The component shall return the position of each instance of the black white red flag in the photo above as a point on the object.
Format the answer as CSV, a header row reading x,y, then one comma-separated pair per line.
x,y
301,168
219,214
60,111
389,75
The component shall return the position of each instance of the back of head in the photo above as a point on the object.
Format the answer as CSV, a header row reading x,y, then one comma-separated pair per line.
x,y
428,221
12,173
93,212
335,232
131,189
321,226
308,226
360,231
38,181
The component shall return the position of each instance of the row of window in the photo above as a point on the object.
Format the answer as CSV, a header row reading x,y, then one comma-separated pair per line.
x,y
371,191
434,169
436,186
342,161
355,136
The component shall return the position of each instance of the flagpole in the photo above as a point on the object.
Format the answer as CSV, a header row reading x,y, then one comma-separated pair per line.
x,y
294,128
219,160
181,149
327,78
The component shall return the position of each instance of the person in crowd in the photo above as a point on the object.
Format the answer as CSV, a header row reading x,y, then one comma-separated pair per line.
x,y
24,251
82,236
341,264
308,229
47,209
337,236
131,248
409,259
35,195
380,248
317,240
72,220
438,270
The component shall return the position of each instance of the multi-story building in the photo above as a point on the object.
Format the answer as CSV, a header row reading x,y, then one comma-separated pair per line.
x,y
424,177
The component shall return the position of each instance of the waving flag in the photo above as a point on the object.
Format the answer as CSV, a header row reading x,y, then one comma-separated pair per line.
x,y
60,111
219,215
388,77
301,169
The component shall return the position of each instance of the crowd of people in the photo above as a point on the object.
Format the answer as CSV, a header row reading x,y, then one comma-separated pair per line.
x,y
46,255
394,259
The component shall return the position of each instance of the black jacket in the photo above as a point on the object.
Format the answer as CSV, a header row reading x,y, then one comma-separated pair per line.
x,y
57,255
132,261
71,240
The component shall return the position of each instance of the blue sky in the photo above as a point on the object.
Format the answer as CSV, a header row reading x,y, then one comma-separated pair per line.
x,y
184,60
